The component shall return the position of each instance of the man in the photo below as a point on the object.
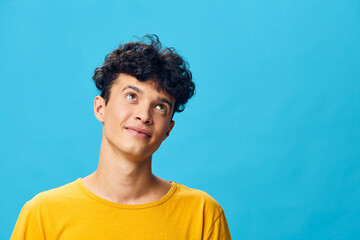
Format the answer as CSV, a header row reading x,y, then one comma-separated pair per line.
x,y
141,86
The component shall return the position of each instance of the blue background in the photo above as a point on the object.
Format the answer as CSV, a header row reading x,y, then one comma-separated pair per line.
x,y
273,132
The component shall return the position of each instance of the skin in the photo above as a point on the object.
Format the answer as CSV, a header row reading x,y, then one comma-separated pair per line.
x,y
124,173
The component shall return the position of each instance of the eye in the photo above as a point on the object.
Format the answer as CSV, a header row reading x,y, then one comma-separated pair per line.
x,y
131,96
161,107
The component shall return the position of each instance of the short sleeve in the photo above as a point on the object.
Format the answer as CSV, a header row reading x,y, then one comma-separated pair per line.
x,y
26,226
219,230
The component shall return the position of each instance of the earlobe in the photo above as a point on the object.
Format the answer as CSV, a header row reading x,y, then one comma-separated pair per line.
x,y
99,104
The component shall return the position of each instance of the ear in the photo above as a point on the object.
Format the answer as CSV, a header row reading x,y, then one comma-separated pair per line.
x,y
172,123
99,108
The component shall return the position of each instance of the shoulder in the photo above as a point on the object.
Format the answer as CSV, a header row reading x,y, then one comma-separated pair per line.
x,y
186,191
199,198
200,207
55,196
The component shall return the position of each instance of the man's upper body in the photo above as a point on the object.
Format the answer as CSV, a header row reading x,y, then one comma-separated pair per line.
x,y
142,86
74,212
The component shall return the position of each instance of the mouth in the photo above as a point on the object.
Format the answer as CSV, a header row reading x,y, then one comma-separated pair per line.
x,y
139,132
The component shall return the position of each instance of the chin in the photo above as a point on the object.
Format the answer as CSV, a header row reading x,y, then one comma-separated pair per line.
x,y
136,152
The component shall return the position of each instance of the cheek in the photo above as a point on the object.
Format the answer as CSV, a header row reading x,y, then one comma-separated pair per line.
x,y
117,116
163,128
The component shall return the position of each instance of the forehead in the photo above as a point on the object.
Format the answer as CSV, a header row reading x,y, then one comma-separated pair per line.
x,y
148,87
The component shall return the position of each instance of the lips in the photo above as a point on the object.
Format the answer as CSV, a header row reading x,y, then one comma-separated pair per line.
x,y
139,130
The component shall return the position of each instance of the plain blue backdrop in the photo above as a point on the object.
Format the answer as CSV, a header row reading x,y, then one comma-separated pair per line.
x,y
273,132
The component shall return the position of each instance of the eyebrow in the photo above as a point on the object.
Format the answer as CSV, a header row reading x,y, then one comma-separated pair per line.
x,y
132,87
136,89
164,100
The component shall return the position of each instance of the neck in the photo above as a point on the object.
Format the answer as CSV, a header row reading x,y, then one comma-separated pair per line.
x,y
122,179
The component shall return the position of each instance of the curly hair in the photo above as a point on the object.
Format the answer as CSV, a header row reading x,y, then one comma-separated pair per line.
x,y
146,60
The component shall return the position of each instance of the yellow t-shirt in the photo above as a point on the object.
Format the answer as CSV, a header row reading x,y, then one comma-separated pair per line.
x,y
73,212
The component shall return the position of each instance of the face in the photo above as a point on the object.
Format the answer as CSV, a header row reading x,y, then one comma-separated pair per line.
x,y
137,117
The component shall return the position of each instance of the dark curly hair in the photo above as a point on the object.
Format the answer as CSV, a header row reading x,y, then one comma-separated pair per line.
x,y
146,60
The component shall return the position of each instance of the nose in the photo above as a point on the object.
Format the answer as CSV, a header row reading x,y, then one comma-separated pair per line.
x,y
143,114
